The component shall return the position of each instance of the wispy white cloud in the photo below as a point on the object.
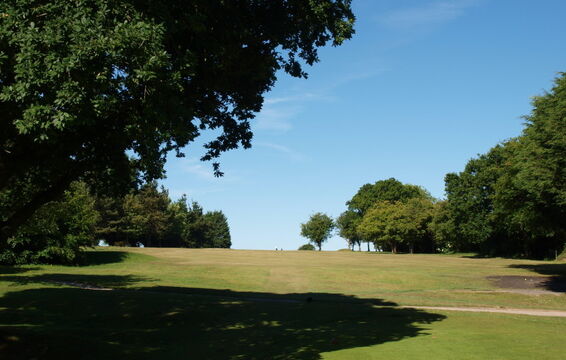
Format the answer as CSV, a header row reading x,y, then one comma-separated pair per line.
x,y
276,118
193,167
278,112
205,172
426,15
353,77
307,96
292,154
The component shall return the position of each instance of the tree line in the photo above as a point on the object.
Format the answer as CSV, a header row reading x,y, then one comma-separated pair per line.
x,y
510,201
388,214
147,216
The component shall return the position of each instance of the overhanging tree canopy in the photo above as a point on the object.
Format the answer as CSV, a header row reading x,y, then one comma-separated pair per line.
x,y
85,82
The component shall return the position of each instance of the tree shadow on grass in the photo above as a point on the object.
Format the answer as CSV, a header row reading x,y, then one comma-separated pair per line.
x,y
476,256
77,280
4,269
555,275
177,322
103,257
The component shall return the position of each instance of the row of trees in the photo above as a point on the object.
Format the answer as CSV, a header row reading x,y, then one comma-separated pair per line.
x,y
510,201
391,215
145,217
150,218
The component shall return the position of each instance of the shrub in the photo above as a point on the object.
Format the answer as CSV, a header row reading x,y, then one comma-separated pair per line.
x,y
307,247
56,233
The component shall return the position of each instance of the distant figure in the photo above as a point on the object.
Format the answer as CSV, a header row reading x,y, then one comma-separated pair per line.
x,y
275,249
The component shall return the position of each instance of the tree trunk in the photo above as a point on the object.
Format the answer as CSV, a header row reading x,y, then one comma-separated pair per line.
x,y
368,246
394,248
319,246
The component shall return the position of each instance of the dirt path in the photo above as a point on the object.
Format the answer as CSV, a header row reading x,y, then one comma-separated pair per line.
x,y
533,312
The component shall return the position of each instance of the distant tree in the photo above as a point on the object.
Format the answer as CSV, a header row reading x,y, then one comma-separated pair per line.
x,y
318,229
530,194
201,229
196,227
307,247
218,231
111,226
416,215
382,225
347,224
390,190
443,228
512,200
178,229
147,215
384,190
390,224
470,200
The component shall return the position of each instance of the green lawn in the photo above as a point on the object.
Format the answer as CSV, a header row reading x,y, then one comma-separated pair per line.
x,y
232,304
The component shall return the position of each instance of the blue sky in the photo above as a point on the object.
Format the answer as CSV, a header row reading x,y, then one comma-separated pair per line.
x,y
421,88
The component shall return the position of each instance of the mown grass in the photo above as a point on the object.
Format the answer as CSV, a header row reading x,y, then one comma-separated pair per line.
x,y
233,304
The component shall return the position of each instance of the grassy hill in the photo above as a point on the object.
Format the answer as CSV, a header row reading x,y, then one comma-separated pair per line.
x,y
235,304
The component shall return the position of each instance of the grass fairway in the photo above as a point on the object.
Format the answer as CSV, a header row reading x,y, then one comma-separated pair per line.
x,y
232,304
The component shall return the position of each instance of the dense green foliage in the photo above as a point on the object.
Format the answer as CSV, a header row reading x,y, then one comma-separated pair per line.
x,y
56,232
389,224
85,83
216,234
347,224
380,225
307,247
318,229
384,190
388,214
150,218
443,227
512,200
